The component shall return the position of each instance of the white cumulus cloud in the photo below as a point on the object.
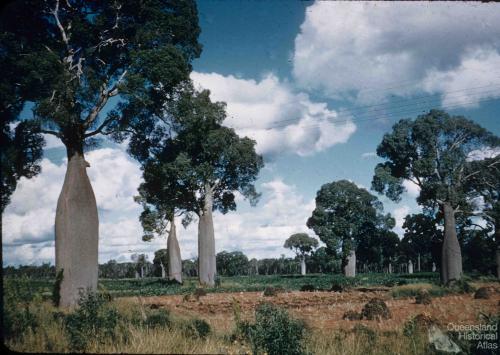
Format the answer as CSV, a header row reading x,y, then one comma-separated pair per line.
x,y
279,119
368,51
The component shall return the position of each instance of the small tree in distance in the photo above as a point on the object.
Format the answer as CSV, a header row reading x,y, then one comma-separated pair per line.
x,y
302,244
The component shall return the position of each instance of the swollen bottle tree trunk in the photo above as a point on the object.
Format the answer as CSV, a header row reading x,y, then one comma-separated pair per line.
x,y
303,265
350,267
451,263
206,242
174,255
76,233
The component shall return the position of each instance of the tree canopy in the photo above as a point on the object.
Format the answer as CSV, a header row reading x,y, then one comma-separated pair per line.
x,y
343,213
301,243
74,57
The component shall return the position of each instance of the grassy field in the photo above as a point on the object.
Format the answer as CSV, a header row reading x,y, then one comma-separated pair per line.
x,y
159,287
155,316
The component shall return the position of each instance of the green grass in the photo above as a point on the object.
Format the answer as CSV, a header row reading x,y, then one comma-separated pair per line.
x,y
159,287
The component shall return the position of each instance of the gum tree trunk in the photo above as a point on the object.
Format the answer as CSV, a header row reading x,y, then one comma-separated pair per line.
x,y
174,255
350,267
451,264
303,265
76,233
206,242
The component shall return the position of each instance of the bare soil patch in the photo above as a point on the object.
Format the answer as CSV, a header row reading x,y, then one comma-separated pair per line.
x,y
325,310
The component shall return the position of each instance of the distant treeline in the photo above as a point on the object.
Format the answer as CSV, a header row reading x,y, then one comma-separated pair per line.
x,y
478,254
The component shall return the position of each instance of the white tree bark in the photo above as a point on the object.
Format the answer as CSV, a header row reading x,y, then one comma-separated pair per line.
x,y
451,263
390,268
162,270
174,255
206,242
76,233
350,268
303,265
410,267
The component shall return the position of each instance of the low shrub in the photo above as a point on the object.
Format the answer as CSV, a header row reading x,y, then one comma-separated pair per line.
x,y
270,291
94,319
460,286
483,293
159,318
423,297
376,309
307,288
56,290
352,315
275,332
197,328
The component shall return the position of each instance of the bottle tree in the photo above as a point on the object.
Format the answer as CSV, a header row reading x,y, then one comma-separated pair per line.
x,y
205,164
302,244
344,213
433,152
96,68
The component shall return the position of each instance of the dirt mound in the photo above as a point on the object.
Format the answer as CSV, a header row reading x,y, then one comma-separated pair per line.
x,y
484,293
376,309
423,297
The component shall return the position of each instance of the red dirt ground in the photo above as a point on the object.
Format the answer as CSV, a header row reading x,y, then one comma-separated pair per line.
x,y
324,310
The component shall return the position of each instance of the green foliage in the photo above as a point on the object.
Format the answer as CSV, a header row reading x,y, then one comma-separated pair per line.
x,y
137,53
56,291
423,297
17,315
344,213
375,309
301,243
275,332
197,328
94,319
460,286
21,148
232,263
270,291
432,152
159,318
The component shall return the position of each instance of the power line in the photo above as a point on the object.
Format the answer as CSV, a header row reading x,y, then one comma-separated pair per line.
x,y
388,116
418,102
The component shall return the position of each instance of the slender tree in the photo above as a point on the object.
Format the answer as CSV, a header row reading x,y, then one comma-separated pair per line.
x,y
343,213
486,183
203,163
422,237
96,68
432,152
302,244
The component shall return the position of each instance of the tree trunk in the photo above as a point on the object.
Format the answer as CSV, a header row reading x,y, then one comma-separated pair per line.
x,y
174,255
350,267
451,263
410,267
206,242
303,265
418,263
162,270
390,268
76,233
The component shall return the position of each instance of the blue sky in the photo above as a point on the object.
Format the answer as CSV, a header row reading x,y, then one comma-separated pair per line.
x,y
316,85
